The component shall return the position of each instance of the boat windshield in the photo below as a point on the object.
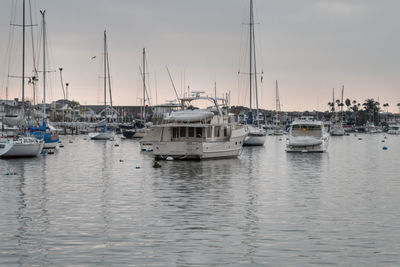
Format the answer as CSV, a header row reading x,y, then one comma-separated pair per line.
x,y
306,130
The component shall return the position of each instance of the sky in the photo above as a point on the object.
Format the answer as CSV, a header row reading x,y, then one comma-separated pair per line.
x,y
309,46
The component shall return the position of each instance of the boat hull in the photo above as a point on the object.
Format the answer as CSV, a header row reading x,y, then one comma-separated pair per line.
x,y
18,150
310,146
337,132
198,150
130,133
393,132
50,144
102,135
255,136
140,133
254,140
146,146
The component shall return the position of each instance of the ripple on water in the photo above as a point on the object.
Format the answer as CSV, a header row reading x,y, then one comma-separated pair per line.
x,y
88,204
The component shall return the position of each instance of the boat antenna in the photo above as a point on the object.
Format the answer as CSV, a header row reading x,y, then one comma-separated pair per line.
x,y
173,85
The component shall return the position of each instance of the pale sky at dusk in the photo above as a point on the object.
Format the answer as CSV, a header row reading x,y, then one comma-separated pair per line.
x,y
309,46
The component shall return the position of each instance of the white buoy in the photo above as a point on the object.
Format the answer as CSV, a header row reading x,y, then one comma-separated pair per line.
x,y
169,158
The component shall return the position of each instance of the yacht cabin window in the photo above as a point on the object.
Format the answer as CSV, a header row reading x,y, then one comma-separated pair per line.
x,y
199,132
175,132
190,132
216,131
182,131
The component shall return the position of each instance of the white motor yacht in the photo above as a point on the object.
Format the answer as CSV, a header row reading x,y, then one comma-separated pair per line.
x,y
199,133
306,135
394,129
20,147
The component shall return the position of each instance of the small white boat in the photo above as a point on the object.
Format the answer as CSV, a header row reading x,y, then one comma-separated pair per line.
x,y
336,129
394,129
108,135
255,136
306,135
101,130
20,147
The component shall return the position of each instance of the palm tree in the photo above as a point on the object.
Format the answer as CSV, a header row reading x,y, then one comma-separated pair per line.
x,y
386,105
372,108
332,106
348,103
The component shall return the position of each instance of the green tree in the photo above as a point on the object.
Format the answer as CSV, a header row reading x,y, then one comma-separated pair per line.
x,y
386,105
372,109
348,103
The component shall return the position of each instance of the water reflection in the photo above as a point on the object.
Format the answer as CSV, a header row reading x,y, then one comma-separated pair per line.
x,y
31,213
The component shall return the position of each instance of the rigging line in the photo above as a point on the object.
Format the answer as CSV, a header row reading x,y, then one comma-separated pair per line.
x,y
148,82
173,85
9,45
145,87
109,76
32,39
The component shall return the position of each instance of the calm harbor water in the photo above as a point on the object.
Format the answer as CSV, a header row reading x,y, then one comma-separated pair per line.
x,y
92,203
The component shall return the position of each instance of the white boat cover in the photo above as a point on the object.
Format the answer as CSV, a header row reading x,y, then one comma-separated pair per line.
x,y
190,115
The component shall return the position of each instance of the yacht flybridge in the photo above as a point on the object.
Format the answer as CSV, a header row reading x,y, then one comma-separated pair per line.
x,y
199,133
307,135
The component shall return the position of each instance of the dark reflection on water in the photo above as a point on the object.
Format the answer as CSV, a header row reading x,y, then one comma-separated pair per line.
x,y
96,204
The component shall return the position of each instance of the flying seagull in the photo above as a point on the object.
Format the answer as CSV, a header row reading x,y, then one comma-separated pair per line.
x,y
93,57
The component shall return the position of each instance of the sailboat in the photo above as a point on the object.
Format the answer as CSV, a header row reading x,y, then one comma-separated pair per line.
x,y
22,145
102,132
277,128
255,134
337,125
50,138
140,132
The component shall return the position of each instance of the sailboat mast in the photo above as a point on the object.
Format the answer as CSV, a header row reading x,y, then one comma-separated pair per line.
x,y
44,62
105,72
109,76
255,68
23,53
251,54
278,103
341,107
144,85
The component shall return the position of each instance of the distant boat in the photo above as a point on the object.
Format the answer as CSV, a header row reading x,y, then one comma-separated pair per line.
x,y
277,128
102,132
43,131
394,129
199,133
255,134
307,135
336,128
